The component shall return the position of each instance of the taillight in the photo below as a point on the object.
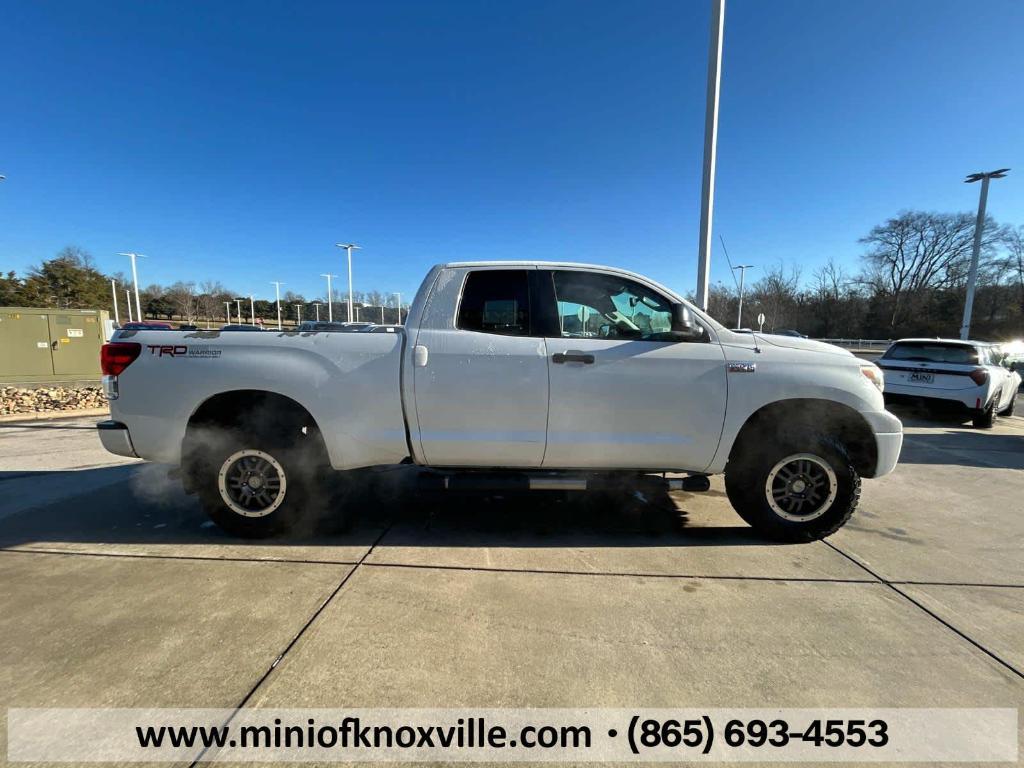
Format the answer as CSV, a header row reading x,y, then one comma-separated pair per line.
x,y
118,355
979,376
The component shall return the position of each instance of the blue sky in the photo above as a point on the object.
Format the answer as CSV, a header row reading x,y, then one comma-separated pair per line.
x,y
240,141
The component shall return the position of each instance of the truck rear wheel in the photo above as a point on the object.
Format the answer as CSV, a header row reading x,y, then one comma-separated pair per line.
x,y
796,490
254,486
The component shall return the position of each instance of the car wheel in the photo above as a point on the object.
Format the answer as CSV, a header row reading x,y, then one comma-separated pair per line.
x,y
987,418
255,487
1008,410
798,490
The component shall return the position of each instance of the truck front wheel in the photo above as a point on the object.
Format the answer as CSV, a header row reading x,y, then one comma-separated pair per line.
x,y
797,490
255,487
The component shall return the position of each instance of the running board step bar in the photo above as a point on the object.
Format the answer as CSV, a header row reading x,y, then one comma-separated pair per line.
x,y
512,482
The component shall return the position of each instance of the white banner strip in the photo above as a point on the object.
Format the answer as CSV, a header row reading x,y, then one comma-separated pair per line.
x,y
512,735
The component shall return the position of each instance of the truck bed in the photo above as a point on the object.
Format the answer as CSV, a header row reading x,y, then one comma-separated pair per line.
x,y
350,382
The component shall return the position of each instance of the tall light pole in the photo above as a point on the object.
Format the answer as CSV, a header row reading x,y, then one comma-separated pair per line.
x,y
707,192
743,272
113,291
135,280
298,313
979,228
349,247
128,302
238,309
398,301
316,306
252,310
277,290
330,298
227,308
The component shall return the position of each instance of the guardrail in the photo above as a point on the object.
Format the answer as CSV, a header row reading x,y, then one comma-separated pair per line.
x,y
878,344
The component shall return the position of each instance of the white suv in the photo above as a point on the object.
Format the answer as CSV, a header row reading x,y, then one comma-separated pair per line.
x,y
949,374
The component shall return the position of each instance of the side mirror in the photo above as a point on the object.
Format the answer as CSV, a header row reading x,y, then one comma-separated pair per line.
x,y
682,320
684,327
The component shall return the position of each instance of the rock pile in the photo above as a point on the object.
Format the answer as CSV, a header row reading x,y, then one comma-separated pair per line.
x,y
25,400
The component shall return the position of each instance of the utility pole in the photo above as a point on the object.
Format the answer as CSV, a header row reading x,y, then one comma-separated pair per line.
x,y
979,228
349,247
277,290
739,313
113,291
330,298
707,194
135,280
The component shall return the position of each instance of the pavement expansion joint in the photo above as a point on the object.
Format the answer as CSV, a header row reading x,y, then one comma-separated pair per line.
x,y
963,635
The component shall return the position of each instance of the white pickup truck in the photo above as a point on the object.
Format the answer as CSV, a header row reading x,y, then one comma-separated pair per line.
x,y
508,374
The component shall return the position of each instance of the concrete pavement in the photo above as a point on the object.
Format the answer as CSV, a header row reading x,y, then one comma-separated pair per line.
x,y
119,593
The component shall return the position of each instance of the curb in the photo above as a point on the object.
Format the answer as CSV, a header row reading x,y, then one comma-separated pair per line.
x,y
37,415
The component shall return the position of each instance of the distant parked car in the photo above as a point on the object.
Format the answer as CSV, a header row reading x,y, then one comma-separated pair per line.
x,y
1012,356
146,325
319,326
381,329
241,327
963,376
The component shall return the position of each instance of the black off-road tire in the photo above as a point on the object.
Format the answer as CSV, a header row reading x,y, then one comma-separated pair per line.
x,y
299,465
987,418
748,473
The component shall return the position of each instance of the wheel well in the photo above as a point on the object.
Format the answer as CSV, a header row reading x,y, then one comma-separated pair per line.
x,y
827,417
250,411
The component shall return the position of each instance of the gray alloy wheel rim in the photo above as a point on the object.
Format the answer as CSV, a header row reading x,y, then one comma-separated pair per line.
x,y
801,487
252,483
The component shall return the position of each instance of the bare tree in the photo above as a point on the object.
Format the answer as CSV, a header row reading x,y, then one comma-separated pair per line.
x,y
1013,242
916,253
778,296
211,298
184,300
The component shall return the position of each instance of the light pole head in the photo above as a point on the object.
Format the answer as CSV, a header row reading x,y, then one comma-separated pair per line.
x,y
1001,173
349,246
135,255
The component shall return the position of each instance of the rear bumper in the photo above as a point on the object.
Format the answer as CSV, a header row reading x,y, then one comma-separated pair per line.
x,y
968,404
116,439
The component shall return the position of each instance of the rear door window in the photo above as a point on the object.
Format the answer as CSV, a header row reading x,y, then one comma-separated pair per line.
x,y
496,301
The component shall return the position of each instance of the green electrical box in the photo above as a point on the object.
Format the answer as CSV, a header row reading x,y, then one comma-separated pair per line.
x,y
44,345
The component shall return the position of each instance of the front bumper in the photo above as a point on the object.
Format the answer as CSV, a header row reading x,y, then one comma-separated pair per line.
x,y
116,439
888,431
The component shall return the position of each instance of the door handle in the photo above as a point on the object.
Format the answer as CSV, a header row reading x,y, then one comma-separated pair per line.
x,y
572,357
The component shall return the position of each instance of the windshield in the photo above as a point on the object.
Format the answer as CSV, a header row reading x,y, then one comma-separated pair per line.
x,y
927,352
